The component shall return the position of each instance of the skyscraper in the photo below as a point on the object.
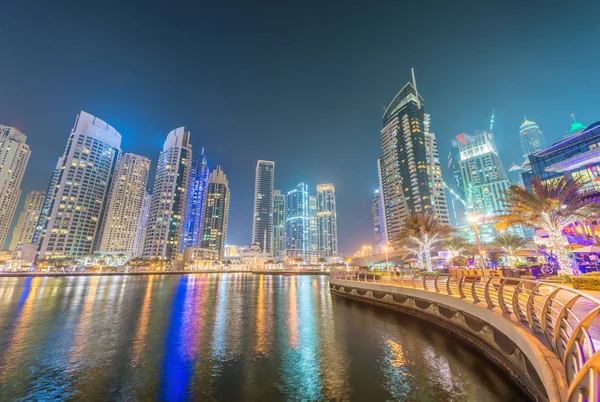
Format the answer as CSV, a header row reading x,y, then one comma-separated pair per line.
x,y
42,223
141,233
532,138
194,207
214,229
83,176
278,244
23,232
410,172
14,155
482,180
313,231
327,220
125,206
297,222
262,224
163,232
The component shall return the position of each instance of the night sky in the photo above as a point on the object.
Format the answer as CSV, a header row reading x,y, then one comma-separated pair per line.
x,y
303,85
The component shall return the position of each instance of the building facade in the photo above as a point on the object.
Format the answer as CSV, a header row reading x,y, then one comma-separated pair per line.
x,y
327,220
83,178
214,230
28,218
125,207
167,207
194,207
409,168
577,157
141,233
278,243
313,234
481,180
14,156
531,137
262,222
297,221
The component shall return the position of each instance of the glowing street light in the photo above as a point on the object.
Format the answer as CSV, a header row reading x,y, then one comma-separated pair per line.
x,y
387,262
474,219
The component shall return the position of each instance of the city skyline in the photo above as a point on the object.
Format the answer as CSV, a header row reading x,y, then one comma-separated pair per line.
x,y
229,87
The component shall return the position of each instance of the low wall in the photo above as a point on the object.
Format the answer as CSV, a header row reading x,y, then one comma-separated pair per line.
x,y
510,344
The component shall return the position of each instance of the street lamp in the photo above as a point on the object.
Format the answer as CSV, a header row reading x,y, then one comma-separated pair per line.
x,y
387,262
474,219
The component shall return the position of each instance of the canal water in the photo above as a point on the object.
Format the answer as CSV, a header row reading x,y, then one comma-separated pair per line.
x,y
234,337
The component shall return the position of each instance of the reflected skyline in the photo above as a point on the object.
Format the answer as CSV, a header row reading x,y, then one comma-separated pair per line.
x,y
223,336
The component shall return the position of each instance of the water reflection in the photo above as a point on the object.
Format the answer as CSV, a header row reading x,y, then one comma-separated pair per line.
x,y
223,337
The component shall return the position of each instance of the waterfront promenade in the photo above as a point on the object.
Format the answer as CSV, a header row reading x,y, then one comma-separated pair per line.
x,y
558,325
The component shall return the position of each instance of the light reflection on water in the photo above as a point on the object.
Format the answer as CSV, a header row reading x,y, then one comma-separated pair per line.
x,y
224,337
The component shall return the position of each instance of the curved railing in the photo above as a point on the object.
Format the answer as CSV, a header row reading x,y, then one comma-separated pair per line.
x,y
565,318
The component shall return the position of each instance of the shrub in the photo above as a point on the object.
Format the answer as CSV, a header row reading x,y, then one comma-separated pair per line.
x,y
586,282
592,274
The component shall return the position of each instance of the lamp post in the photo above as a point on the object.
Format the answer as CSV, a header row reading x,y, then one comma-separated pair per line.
x,y
387,262
474,219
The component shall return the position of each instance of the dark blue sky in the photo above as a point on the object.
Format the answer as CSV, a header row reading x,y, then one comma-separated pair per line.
x,y
302,84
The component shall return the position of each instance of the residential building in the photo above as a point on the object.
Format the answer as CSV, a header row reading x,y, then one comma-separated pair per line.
x,y
42,223
141,233
313,234
83,177
125,208
262,222
194,207
167,207
378,223
409,168
531,137
327,220
28,218
214,229
14,156
278,242
297,220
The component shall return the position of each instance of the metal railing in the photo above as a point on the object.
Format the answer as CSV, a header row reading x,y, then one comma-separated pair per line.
x,y
566,319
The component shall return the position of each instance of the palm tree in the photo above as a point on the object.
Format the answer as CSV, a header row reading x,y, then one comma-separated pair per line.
x,y
551,205
420,233
510,243
455,244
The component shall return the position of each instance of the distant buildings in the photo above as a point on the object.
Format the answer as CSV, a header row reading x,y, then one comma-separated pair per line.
x,y
195,202
124,217
262,222
327,220
28,218
14,156
409,168
163,233
141,234
531,137
214,229
278,242
73,209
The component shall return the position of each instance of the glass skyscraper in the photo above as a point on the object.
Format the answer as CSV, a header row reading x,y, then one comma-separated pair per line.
x,y
297,221
262,222
214,227
532,138
195,202
163,232
409,168
28,218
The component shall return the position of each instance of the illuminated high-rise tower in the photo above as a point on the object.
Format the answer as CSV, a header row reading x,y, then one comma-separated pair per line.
x,y
14,155
262,221
125,206
23,232
297,222
410,171
327,220
214,228
163,232
194,207
532,138
278,245
82,180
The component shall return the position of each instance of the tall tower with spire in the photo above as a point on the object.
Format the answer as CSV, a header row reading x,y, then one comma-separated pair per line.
x,y
410,171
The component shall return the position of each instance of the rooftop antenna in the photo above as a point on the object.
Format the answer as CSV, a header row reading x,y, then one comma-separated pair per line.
x,y
202,150
492,120
573,117
414,82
